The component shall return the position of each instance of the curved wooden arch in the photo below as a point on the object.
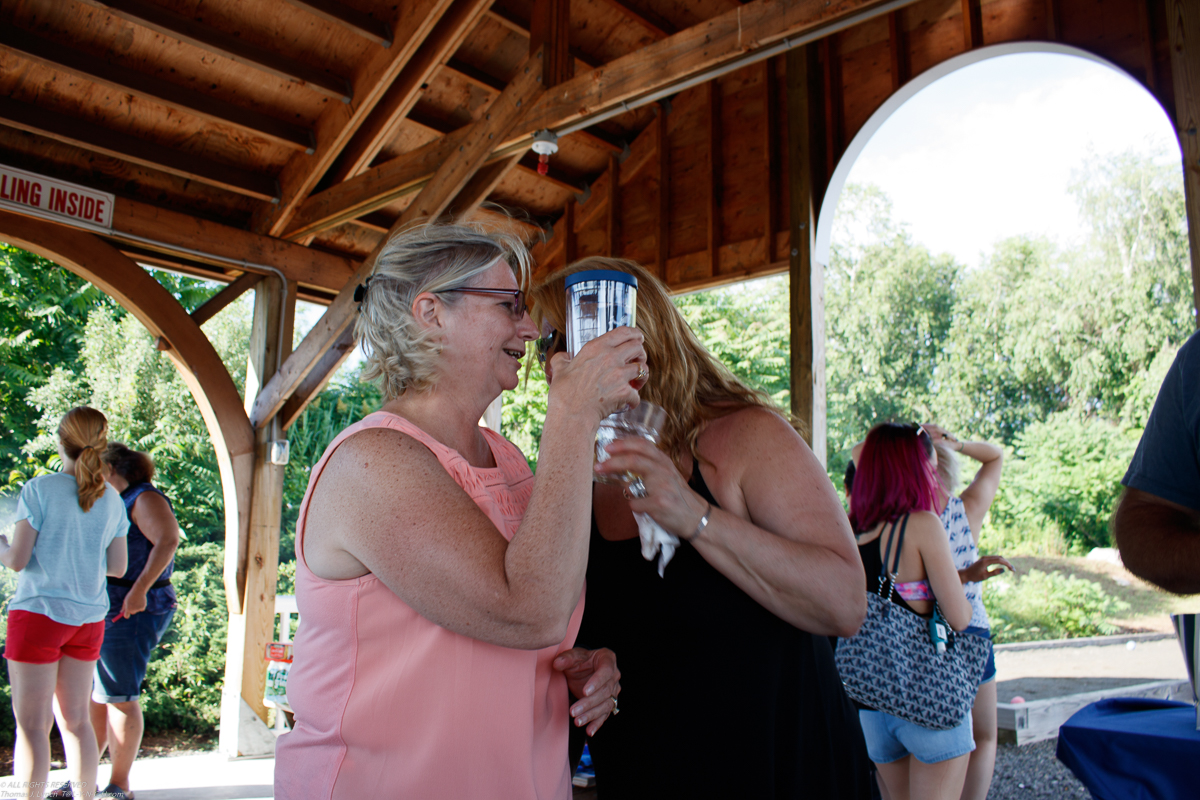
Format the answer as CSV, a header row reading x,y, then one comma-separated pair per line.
x,y
202,370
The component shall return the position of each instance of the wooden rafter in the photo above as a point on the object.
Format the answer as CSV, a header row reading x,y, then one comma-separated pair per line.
x,y
63,128
521,27
446,37
450,179
480,186
338,123
365,25
652,22
123,79
474,75
657,66
972,22
217,303
143,223
315,381
550,32
194,33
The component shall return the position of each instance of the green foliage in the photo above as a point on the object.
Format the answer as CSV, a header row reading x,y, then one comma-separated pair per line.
x,y
523,410
182,691
1041,605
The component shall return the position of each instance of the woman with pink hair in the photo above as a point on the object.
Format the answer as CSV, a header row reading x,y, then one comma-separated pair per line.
x,y
893,499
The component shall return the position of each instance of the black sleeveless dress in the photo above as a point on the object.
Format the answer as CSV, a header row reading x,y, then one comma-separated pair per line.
x,y
719,697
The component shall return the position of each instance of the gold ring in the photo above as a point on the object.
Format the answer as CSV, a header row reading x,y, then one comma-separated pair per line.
x,y
615,710
643,373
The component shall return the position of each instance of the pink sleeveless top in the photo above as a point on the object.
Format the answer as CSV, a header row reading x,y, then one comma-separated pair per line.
x,y
391,705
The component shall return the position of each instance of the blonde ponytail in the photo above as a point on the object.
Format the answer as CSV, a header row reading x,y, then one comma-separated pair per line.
x,y
83,433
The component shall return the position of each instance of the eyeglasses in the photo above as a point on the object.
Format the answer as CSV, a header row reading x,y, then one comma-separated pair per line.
x,y
548,345
516,308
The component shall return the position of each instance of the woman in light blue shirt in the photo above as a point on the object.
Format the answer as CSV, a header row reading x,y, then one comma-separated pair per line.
x,y
70,532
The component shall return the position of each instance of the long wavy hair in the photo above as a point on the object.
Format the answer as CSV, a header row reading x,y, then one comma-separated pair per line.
x,y
685,379
83,433
894,476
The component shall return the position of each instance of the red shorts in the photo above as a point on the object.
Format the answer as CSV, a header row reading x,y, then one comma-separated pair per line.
x,y
37,639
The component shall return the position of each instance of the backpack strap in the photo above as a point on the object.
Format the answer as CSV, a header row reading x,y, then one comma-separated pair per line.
x,y
903,523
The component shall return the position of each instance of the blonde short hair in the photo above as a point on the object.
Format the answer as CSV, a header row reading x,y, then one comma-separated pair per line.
x,y
949,469
427,258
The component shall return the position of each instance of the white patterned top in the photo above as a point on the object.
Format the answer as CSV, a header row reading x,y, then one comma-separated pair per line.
x,y
965,553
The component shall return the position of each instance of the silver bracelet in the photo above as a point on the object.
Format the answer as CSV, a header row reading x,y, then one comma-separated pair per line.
x,y
702,524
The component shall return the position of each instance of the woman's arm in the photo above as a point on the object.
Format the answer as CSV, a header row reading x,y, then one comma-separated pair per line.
x,y
16,556
926,532
154,518
977,498
117,557
386,506
781,534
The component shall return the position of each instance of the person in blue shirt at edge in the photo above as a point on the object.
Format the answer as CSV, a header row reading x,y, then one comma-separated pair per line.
x,y
69,533
1157,522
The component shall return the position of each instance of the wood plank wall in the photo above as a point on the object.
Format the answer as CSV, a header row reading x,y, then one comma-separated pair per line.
x,y
703,195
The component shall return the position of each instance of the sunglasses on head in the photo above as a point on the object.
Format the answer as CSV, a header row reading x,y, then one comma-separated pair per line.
x,y
516,308
548,345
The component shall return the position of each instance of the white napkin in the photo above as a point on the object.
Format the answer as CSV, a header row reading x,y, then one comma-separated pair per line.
x,y
655,540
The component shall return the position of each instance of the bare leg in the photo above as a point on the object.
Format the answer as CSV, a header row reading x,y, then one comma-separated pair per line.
x,y
894,778
940,781
983,760
73,693
99,714
125,726
32,698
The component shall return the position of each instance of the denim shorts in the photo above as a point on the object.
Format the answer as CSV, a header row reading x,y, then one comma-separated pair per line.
x,y
128,643
989,669
891,738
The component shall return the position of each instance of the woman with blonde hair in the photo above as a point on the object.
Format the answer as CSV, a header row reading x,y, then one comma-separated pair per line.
x,y
729,684
439,582
69,534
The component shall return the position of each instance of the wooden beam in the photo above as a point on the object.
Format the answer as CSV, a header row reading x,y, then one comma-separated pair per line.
x,y
1146,37
831,93
657,26
712,98
528,165
683,55
217,303
770,159
662,147
474,75
480,186
733,35
364,25
603,139
452,176
898,48
398,101
149,87
807,322
125,147
312,385
338,123
972,22
570,240
519,26
170,24
613,224
1183,30
550,31
178,232
1053,21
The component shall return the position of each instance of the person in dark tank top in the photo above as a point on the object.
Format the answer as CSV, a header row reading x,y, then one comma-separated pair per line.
x,y
728,686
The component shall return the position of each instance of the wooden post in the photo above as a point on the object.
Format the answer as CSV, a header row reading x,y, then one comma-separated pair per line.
x,y
252,629
807,280
614,206
1183,28
713,168
662,145
551,26
770,159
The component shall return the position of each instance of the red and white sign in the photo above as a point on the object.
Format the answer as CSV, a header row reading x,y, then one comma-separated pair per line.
x,y
24,190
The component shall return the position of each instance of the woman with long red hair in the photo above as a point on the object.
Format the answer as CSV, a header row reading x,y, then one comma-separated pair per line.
x,y
894,496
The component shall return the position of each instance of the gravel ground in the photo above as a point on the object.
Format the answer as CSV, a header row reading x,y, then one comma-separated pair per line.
x,y
1032,771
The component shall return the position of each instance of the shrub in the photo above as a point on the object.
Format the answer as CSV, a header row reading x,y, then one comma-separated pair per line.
x,y
1041,605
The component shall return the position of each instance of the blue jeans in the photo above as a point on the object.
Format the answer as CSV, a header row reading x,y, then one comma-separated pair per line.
x,y
128,643
891,738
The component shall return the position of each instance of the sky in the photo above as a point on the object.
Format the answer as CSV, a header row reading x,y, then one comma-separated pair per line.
x,y
987,152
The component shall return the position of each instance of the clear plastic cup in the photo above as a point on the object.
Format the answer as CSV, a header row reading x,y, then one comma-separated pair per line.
x,y
598,301
646,421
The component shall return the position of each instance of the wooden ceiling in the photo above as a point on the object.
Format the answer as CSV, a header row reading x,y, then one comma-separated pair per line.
x,y
295,133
